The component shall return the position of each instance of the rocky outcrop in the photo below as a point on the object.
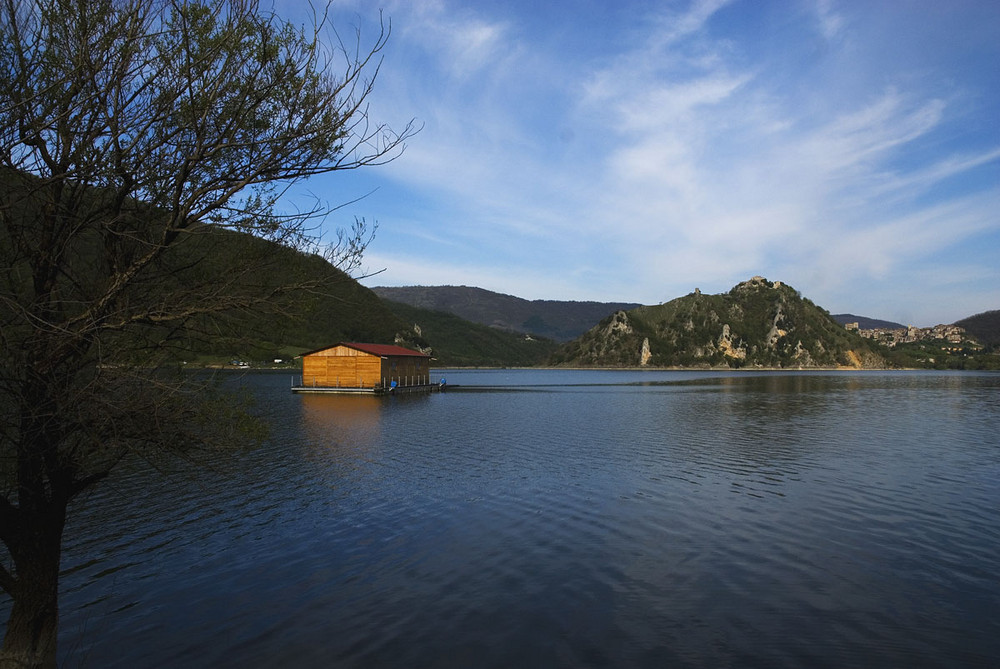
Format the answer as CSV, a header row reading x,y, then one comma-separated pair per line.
x,y
726,346
645,354
612,342
802,355
618,325
776,333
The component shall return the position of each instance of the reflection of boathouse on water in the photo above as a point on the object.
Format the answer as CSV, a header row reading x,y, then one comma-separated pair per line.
x,y
364,368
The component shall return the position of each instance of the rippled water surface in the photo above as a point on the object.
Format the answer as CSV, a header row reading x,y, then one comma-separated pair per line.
x,y
564,519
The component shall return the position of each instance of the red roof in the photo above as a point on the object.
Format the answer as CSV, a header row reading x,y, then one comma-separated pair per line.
x,y
381,350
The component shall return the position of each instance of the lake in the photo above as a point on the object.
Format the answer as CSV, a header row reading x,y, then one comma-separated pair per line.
x,y
546,518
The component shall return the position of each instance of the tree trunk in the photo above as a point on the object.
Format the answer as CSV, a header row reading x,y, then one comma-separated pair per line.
x,y
32,628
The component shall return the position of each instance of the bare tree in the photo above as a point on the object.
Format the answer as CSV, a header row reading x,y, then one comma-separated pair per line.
x,y
137,139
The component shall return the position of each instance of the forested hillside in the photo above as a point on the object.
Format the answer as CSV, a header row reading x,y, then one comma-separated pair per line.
x,y
341,309
560,320
461,343
985,327
337,309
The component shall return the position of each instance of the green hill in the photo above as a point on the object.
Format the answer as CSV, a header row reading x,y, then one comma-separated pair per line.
x,y
341,309
756,324
985,327
311,303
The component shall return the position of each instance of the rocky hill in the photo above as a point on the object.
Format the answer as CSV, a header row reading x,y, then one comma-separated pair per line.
x,y
757,323
552,319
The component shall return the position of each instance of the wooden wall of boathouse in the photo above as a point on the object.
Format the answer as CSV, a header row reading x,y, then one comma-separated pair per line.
x,y
344,366
406,370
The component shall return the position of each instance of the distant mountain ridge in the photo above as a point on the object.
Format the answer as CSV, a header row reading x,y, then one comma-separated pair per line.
x,y
560,320
866,323
758,323
456,342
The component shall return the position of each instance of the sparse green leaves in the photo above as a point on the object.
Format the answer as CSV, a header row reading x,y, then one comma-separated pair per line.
x,y
191,107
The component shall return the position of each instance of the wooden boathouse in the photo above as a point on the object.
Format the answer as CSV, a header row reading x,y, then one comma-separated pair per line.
x,y
364,368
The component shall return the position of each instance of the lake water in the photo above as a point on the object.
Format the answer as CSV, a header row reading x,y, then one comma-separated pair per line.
x,y
564,519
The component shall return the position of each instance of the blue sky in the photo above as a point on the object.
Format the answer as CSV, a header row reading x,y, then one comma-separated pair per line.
x,y
636,150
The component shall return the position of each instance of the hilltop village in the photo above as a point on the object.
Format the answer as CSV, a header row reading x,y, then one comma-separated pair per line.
x,y
892,336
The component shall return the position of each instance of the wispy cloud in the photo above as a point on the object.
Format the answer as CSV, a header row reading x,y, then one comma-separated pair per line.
x,y
672,26
461,43
830,22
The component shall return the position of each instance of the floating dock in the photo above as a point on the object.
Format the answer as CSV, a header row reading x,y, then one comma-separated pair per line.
x,y
385,389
